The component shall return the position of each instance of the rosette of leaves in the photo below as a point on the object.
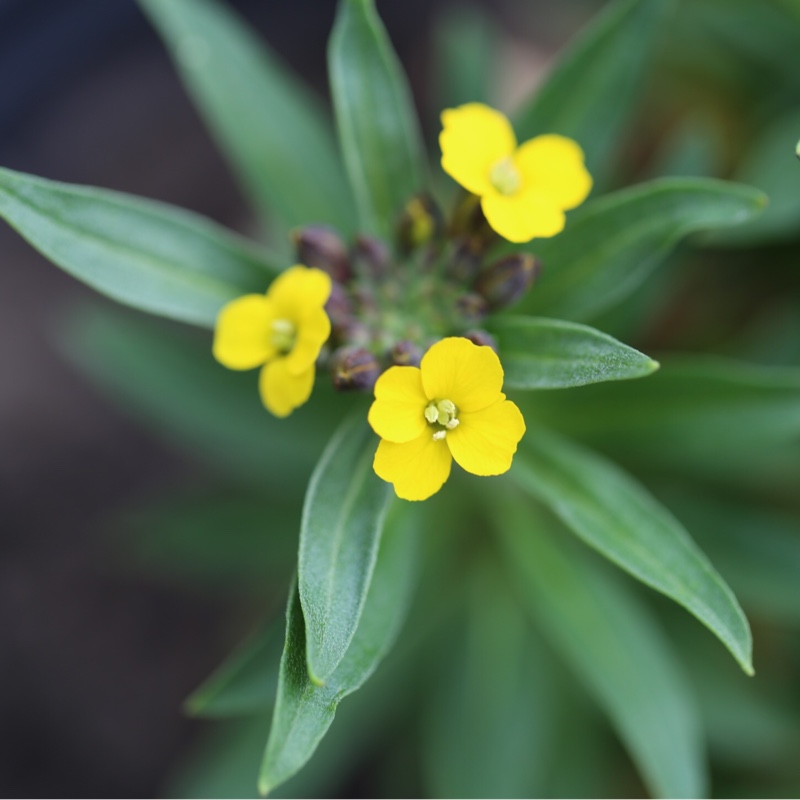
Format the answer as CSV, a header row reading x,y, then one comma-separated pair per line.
x,y
495,585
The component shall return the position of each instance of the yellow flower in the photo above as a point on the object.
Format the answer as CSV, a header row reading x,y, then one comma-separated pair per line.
x,y
524,190
451,407
284,330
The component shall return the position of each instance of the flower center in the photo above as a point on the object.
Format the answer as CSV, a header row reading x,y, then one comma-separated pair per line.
x,y
505,177
283,335
442,416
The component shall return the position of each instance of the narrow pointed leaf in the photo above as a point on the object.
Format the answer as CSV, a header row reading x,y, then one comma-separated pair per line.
x,y
614,514
276,136
612,244
614,646
303,710
144,254
540,353
378,128
710,415
343,517
245,683
592,91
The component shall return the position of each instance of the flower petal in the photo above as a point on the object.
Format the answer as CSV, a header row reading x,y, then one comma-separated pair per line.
x,y
474,138
485,441
297,290
458,370
522,216
418,468
313,331
243,335
398,413
554,166
282,392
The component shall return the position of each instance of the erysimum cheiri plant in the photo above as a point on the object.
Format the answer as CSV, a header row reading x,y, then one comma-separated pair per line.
x,y
433,316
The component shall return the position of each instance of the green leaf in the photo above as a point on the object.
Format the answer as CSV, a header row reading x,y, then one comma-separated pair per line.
x,y
303,710
277,138
378,127
615,648
245,683
771,164
490,719
540,353
706,414
612,513
612,244
168,379
466,42
141,253
591,93
343,517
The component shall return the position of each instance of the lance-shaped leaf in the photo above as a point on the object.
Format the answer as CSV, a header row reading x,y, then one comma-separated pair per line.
x,y
245,683
614,514
592,91
303,710
278,140
343,518
700,413
612,244
614,646
378,127
540,353
144,254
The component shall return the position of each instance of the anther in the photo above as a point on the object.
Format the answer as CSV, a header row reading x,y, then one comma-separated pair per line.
x,y
283,334
505,176
439,435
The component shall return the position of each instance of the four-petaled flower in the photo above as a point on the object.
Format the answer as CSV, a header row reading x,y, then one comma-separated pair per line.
x,y
524,190
284,330
451,407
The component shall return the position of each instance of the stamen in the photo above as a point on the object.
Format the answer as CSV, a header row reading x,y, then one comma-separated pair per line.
x,y
439,435
505,177
442,415
432,413
453,423
283,334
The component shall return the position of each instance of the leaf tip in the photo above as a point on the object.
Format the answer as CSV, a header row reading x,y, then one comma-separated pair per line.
x,y
264,786
652,366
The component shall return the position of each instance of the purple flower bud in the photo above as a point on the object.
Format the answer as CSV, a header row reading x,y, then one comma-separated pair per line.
x,y
321,247
505,281
354,368
472,308
481,338
406,354
339,307
465,262
372,257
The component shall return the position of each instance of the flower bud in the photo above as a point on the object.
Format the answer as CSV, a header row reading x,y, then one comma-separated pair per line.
x,y
339,307
507,279
406,354
465,262
354,368
321,247
472,308
420,222
469,221
481,338
372,257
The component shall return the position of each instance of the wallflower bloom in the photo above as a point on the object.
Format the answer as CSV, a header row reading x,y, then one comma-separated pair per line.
x,y
450,407
524,190
283,330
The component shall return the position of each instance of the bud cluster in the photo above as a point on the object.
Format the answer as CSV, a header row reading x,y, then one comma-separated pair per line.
x,y
390,303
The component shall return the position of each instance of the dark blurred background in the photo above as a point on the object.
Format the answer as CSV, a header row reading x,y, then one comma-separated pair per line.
x,y
96,657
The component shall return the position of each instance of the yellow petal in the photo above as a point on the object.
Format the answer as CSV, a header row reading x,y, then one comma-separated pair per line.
x,y
398,413
458,370
298,290
553,166
243,335
474,138
485,441
282,392
418,468
313,331
522,216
